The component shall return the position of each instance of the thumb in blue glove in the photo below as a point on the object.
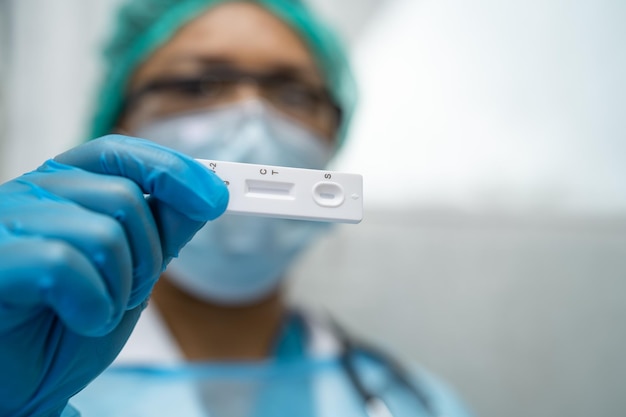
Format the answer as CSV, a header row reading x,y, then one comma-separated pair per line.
x,y
83,239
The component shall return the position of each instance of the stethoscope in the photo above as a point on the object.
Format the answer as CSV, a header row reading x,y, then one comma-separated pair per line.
x,y
375,405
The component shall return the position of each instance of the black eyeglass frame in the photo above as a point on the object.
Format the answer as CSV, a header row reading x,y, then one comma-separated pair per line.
x,y
320,95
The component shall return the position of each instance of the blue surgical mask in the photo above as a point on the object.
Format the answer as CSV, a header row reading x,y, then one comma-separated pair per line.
x,y
241,259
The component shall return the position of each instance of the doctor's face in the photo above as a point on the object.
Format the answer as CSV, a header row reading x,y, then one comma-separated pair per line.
x,y
232,52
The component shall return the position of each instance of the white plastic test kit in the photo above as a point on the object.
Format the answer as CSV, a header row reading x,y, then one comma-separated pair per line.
x,y
293,193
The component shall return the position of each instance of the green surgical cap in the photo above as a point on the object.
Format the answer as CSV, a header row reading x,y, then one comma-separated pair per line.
x,y
142,26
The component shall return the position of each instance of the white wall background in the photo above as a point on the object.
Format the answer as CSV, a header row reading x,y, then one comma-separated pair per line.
x,y
515,105
54,65
492,140
4,72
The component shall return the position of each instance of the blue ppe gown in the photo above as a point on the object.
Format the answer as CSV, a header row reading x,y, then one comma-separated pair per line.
x,y
293,382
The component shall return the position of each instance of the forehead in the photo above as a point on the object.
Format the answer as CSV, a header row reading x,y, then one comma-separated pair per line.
x,y
241,33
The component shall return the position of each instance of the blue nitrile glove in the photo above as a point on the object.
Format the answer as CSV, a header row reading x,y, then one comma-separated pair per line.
x,y
82,241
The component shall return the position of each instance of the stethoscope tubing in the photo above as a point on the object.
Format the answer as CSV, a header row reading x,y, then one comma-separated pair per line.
x,y
375,405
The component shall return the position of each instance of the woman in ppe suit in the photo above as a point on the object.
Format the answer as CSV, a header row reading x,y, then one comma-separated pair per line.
x,y
84,238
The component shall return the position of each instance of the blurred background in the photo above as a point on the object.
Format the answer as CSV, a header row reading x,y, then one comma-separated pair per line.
x,y
492,140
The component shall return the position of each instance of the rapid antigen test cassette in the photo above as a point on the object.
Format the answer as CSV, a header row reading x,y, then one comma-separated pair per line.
x,y
293,193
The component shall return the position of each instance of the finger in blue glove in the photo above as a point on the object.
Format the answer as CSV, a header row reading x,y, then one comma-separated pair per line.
x,y
82,241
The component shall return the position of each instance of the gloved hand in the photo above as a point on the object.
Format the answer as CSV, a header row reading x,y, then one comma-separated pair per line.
x,y
82,241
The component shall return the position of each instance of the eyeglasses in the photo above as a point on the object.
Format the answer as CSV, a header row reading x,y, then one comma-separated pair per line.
x,y
284,90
